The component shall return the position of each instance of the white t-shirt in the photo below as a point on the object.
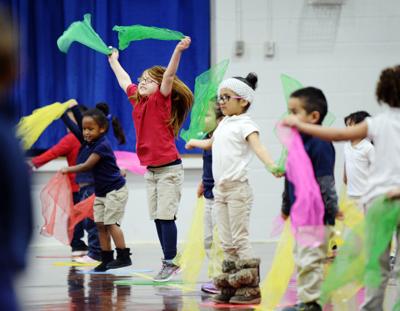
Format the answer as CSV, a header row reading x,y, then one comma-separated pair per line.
x,y
230,149
358,160
384,131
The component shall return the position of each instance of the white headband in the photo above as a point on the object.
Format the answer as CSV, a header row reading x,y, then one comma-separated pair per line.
x,y
239,87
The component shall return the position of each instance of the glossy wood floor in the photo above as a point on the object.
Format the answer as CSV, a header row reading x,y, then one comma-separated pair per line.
x,y
47,285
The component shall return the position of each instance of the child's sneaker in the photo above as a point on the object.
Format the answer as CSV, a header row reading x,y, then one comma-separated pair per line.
x,y
123,259
79,252
106,258
210,288
86,259
167,271
309,306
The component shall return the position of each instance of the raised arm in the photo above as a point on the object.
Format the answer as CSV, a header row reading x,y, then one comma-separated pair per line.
x,y
75,126
358,131
122,76
169,74
71,125
77,115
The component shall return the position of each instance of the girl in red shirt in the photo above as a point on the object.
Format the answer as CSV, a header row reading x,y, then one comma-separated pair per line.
x,y
161,102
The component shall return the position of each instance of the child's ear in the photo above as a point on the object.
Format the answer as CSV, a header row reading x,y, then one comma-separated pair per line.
x,y
102,130
244,103
314,117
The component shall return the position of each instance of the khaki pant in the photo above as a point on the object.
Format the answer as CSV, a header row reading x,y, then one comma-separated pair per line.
x,y
110,209
164,186
232,203
310,268
209,223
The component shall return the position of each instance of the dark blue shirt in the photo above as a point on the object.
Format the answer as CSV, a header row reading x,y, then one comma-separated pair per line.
x,y
322,156
83,155
84,177
208,179
106,173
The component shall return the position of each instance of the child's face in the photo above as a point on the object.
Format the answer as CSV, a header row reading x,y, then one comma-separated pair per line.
x,y
296,107
91,130
147,85
230,103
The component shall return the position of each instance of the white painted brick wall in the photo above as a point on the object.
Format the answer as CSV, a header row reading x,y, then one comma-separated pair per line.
x,y
338,49
366,38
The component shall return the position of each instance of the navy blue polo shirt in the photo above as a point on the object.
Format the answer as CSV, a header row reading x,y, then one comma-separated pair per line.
x,y
322,155
106,173
208,179
84,151
83,155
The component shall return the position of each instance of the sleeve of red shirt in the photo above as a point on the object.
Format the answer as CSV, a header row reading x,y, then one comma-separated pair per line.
x,y
130,91
62,148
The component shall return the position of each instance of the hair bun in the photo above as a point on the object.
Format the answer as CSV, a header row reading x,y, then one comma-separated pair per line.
x,y
103,107
252,79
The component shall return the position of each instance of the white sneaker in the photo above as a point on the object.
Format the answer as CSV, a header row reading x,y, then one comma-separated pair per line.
x,y
78,253
85,259
168,270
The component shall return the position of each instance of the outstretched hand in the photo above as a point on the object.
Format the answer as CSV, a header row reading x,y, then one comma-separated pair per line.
x,y
291,120
340,215
64,170
114,54
189,145
276,170
183,44
72,103
200,190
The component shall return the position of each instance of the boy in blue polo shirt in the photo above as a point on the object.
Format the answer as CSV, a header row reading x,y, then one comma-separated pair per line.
x,y
310,105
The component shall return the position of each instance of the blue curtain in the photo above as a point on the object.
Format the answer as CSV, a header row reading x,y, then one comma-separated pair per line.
x,y
48,75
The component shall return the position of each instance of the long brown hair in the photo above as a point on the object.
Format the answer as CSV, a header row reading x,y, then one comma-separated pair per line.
x,y
181,96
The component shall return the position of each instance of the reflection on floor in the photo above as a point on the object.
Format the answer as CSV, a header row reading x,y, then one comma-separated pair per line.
x,y
50,283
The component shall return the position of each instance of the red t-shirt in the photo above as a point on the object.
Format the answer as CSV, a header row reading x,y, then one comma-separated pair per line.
x,y
155,140
69,147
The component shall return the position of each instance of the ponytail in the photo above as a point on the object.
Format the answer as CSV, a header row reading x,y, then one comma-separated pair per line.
x,y
116,124
118,130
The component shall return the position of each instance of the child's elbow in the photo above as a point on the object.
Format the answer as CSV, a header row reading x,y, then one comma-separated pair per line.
x,y
340,136
168,76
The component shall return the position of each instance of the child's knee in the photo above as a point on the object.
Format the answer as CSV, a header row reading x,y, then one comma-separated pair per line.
x,y
101,226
